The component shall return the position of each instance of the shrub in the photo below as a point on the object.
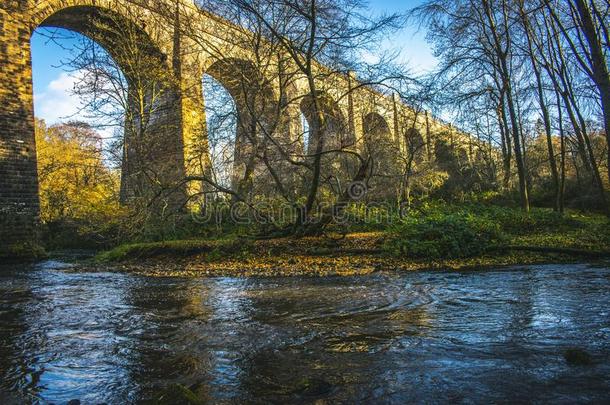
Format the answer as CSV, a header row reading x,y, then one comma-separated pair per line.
x,y
450,236
517,222
21,252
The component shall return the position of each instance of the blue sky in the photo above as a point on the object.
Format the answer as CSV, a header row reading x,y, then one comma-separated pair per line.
x,y
52,85
411,41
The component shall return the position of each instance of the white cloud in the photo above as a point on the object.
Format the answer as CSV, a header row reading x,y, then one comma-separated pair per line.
x,y
57,103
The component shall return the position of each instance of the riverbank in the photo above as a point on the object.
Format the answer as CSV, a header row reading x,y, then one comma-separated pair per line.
x,y
571,239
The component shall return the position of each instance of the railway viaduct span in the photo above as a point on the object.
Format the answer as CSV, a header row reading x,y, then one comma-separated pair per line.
x,y
188,42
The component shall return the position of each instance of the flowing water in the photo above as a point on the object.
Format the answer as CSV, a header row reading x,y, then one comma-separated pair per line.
x,y
479,336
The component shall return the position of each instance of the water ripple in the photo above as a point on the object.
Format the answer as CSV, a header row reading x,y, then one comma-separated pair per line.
x,y
389,337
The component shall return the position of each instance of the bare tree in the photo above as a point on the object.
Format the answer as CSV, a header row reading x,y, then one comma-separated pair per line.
x,y
507,59
589,41
315,42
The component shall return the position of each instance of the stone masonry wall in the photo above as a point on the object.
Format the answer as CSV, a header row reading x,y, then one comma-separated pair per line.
x,y
19,203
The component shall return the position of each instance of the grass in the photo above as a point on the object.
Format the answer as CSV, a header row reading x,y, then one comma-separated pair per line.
x,y
452,232
576,231
174,248
433,236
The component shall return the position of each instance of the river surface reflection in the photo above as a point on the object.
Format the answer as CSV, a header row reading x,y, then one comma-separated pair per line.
x,y
390,337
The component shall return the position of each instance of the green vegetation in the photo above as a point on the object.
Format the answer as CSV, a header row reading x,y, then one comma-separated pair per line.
x,y
437,231
23,252
433,235
176,248
449,236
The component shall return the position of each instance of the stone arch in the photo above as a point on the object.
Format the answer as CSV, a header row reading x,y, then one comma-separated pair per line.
x,y
383,154
155,155
19,179
416,145
335,133
132,12
255,102
252,92
82,15
330,133
376,128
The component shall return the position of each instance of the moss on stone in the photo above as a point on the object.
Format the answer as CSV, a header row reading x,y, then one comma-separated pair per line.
x,y
22,252
577,357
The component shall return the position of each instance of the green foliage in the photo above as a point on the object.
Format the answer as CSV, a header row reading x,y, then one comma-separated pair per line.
x,y
468,170
176,248
436,230
456,235
546,228
514,221
22,252
368,216
151,249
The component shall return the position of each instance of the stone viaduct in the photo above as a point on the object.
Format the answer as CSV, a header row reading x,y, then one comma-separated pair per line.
x,y
187,42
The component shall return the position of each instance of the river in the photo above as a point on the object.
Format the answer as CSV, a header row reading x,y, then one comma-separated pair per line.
x,y
476,336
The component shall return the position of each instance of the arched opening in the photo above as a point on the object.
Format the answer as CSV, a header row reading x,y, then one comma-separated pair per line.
x,y
416,145
376,128
250,117
147,97
383,153
119,137
221,123
332,132
329,138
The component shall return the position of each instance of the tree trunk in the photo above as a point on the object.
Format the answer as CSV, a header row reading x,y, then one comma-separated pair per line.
x,y
562,183
599,66
543,108
501,50
507,154
521,171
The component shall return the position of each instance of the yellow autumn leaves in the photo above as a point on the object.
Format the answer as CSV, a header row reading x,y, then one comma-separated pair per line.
x,y
75,182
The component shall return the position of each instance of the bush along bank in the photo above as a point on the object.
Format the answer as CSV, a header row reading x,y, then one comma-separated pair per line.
x,y
437,231
434,236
